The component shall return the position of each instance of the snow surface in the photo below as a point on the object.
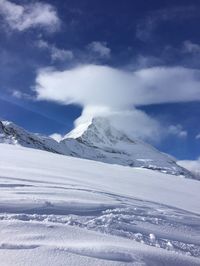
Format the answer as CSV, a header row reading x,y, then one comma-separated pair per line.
x,y
59,210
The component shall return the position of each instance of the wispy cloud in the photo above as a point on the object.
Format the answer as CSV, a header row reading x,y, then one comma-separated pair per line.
x,y
198,136
56,54
21,95
190,47
100,49
177,130
23,17
148,25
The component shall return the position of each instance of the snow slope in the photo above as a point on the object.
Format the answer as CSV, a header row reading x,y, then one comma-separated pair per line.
x,y
60,210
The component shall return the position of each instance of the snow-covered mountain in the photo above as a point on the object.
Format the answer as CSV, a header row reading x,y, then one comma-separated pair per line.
x,y
98,141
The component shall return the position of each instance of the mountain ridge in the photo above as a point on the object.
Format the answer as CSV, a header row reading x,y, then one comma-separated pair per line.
x,y
97,140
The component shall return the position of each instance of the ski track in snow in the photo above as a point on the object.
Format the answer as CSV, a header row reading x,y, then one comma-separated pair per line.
x,y
34,206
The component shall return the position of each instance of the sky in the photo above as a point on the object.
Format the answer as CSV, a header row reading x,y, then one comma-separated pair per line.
x,y
136,62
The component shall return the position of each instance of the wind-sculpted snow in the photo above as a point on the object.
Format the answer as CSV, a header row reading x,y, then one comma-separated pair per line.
x,y
60,210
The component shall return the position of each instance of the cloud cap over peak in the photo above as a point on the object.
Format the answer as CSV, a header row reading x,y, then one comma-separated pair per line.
x,y
106,91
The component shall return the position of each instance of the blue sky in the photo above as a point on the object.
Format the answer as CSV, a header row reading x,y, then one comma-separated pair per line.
x,y
41,41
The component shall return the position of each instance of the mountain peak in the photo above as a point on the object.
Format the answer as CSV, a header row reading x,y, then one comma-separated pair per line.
x,y
98,132
99,140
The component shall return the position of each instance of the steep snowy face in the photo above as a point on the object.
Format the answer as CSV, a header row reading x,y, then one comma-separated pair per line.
x,y
12,134
100,141
99,133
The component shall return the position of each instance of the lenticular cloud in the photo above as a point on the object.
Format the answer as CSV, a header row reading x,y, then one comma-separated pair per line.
x,y
106,86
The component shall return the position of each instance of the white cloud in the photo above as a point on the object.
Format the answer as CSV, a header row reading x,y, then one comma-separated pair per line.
x,y
198,136
56,136
131,121
55,53
21,95
178,131
192,166
42,44
106,86
100,48
22,17
117,92
17,94
189,47
61,54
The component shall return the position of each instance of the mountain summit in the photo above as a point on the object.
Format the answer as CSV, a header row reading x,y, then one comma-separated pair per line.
x,y
99,141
